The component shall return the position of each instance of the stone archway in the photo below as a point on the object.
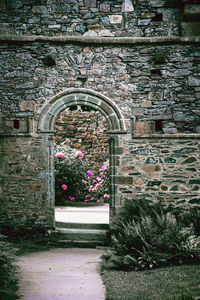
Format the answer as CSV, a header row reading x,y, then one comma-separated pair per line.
x,y
97,101
81,96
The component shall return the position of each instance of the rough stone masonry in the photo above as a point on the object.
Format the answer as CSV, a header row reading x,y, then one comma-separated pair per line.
x,y
139,69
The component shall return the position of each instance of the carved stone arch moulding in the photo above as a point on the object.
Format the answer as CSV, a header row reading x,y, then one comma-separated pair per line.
x,y
81,96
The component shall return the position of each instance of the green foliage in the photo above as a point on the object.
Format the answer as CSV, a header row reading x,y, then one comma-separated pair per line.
x,y
70,170
147,236
190,217
8,279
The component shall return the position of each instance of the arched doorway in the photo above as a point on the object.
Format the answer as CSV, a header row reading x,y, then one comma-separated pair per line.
x,y
74,97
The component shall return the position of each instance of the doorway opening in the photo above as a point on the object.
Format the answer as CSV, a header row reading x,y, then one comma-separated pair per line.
x,y
72,98
82,172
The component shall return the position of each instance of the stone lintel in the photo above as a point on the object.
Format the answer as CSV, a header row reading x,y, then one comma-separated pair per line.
x,y
9,38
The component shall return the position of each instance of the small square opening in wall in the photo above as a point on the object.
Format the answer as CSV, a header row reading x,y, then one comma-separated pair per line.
x,y
16,124
158,17
156,72
158,126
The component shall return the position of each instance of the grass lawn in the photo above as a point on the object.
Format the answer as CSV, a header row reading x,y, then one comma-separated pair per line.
x,y
169,283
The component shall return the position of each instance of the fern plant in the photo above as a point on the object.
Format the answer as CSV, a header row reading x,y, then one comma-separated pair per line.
x,y
151,240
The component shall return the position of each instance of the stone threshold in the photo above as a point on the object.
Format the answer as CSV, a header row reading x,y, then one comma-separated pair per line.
x,y
9,38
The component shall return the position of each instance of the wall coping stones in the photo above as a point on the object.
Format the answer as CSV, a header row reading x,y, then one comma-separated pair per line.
x,y
167,136
8,38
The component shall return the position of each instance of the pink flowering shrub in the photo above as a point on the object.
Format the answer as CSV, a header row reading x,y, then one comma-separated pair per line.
x,y
98,186
79,154
73,180
64,187
60,155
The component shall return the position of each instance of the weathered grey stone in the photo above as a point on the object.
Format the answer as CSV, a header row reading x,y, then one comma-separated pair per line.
x,y
104,8
91,21
144,22
90,3
88,16
193,81
39,9
90,33
81,27
104,20
105,32
151,160
157,3
155,96
54,26
170,160
115,19
61,8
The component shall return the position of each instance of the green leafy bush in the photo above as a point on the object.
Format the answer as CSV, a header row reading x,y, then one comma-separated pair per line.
x,y
147,236
70,171
8,278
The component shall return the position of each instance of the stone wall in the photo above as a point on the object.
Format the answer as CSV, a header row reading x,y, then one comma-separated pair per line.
x,y
146,62
162,169
103,18
84,131
24,181
161,95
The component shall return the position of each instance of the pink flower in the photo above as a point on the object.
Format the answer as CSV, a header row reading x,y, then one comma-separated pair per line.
x,y
94,181
97,185
92,198
60,155
71,198
87,196
101,173
106,196
104,167
89,173
98,178
79,154
98,201
64,187
86,200
83,181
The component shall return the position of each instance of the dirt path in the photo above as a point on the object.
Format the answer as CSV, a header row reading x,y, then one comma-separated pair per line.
x,y
61,274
